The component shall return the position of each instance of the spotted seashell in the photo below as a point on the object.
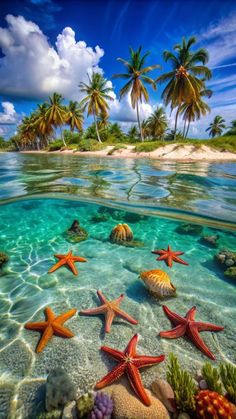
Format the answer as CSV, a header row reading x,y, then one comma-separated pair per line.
x,y
121,233
158,282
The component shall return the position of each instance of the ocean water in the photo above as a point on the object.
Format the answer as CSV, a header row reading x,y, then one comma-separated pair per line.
x,y
41,195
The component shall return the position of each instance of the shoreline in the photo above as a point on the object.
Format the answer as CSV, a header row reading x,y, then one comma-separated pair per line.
x,y
173,152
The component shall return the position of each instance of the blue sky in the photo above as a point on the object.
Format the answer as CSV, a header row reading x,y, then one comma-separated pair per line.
x,y
49,45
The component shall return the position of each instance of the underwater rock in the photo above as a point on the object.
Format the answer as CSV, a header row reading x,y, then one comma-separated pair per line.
x,y
59,389
132,217
103,407
84,404
191,229
231,272
128,406
202,384
76,233
3,258
164,392
210,401
158,283
69,411
211,241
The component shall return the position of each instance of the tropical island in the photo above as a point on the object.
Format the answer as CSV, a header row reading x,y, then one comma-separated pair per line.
x,y
58,127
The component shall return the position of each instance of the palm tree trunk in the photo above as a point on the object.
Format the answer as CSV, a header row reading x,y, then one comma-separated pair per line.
x,y
176,120
96,126
187,129
139,124
62,136
185,121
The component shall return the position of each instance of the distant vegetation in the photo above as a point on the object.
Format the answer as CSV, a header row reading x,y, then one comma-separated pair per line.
x,y
184,91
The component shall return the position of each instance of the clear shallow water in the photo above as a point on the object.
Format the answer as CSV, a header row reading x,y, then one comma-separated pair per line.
x,y
31,231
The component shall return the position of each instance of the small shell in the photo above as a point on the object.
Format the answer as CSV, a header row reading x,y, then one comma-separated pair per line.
x,y
121,233
158,282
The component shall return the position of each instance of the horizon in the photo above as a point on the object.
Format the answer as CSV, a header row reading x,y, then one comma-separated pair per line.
x,y
49,46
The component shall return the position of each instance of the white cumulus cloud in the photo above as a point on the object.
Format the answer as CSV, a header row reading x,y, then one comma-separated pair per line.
x,y
9,115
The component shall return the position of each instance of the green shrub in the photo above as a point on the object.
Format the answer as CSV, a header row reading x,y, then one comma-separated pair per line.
x,y
90,145
149,146
56,145
116,148
212,377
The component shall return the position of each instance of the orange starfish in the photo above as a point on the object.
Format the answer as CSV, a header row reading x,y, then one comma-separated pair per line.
x,y
169,256
68,260
129,363
52,326
110,309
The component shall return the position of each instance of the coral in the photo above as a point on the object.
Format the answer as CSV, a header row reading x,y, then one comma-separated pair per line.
x,y
191,229
128,406
228,377
212,377
3,258
76,233
211,405
59,389
182,384
164,392
103,407
211,241
226,258
158,282
85,404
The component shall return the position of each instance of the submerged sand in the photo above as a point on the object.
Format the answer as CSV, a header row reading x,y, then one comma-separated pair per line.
x,y
178,152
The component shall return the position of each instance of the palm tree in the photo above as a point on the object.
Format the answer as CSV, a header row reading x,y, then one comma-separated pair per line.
x,y
145,128
56,114
183,82
97,94
232,129
194,110
157,123
44,129
137,78
133,133
75,116
216,127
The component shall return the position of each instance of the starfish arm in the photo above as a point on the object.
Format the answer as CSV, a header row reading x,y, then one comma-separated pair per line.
x,y
62,331
71,265
198,342
126,316
37,326
176,259
131,347
93,311
59,256
169,261
101,297
57,266
191,314
78,259
114,353
162,257
208,327
178,253
50,316
66,316
145,361
136,383
109,317
158,252
118,300
173,317
177,332
112,376
46,336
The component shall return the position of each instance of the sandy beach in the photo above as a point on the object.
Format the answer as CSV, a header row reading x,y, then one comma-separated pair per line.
x,y
178,152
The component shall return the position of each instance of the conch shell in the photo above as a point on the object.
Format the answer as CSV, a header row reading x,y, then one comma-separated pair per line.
x,y
121,233
158,282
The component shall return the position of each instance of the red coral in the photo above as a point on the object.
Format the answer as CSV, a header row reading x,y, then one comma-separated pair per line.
x,y
211,405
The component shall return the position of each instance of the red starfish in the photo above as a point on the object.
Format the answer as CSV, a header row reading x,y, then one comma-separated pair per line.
x,y
129,363
110,309
68,260
169,256
189,327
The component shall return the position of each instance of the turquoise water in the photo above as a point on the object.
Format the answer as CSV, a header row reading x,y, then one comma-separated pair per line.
x,y
32,231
